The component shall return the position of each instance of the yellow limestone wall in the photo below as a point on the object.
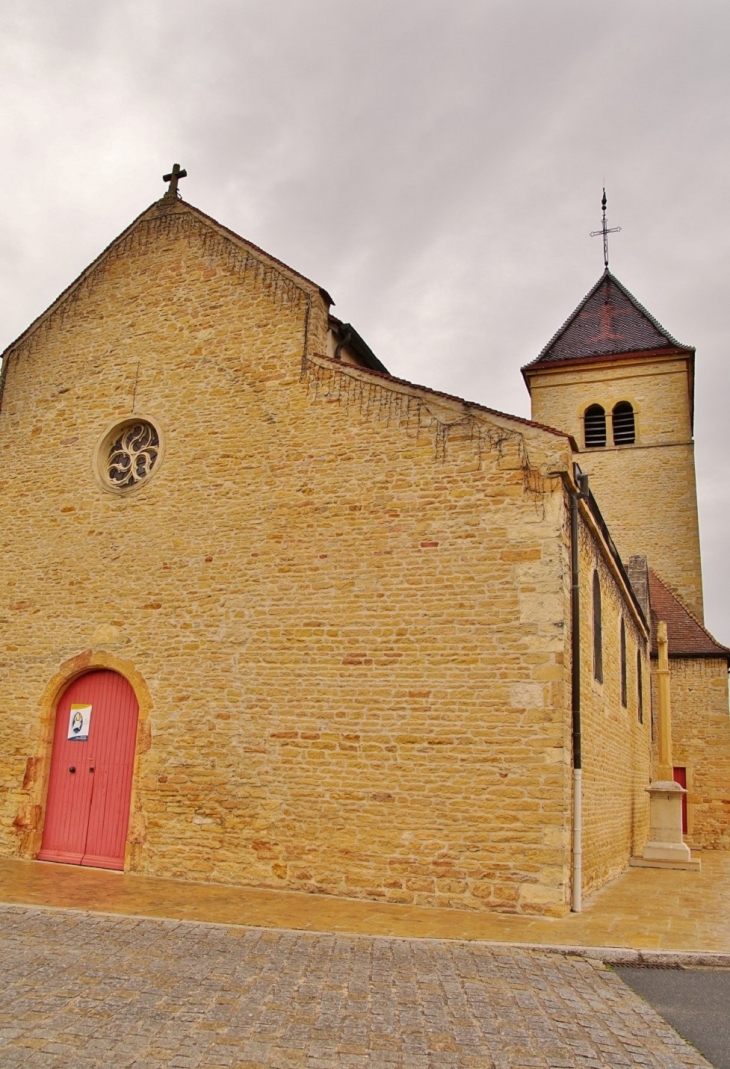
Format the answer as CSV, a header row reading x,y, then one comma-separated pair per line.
x,y
348,625
701,744
647,491
616,745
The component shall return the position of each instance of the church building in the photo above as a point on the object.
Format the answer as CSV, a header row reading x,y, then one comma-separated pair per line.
x,y
274,617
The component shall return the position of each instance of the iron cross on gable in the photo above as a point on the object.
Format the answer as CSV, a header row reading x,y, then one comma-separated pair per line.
x,y
605,230
173,178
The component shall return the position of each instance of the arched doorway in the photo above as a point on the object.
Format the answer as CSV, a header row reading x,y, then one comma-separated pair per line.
x,y
87,811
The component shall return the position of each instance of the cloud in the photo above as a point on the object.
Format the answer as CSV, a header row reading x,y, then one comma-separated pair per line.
x,y
437,166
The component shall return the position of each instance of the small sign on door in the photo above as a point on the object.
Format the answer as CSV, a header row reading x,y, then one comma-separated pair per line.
x,y
78,722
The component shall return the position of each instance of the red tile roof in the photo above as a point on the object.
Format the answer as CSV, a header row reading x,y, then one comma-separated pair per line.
x,y
687,637
609,321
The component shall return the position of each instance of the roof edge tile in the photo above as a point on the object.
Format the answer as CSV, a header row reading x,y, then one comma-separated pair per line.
x,y
688,638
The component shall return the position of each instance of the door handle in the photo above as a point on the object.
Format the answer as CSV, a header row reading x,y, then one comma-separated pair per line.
x,y
72,768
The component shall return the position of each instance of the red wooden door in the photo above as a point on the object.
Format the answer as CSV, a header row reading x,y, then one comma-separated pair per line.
x,y
680,777
87,813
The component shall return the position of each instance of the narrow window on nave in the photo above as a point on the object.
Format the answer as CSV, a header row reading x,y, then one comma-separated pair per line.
x,y
624,426
594,427
622,644
639,688
597,630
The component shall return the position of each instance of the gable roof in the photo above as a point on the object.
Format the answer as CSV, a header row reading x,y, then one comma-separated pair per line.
x,y
687,637
249,244
161,207
608,322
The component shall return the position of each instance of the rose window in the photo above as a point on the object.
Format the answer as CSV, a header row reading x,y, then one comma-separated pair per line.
x,y
133,452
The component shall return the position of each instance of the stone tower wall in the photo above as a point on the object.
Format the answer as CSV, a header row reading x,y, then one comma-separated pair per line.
x,y
647,491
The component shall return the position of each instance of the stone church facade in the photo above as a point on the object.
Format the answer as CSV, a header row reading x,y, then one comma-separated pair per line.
x,y
334,606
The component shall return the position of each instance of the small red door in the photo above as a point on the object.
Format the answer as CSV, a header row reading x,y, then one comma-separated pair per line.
x,y
680,777
87,813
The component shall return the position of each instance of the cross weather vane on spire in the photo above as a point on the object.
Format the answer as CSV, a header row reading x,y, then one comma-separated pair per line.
x,y
173,177
605,230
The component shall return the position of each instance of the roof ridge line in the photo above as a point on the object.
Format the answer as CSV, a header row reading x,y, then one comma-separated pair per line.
x,y
569,320
652,319
257,248
152,211
448,396
57,301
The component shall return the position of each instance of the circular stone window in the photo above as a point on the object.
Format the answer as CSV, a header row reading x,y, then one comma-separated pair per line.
x,y
128,454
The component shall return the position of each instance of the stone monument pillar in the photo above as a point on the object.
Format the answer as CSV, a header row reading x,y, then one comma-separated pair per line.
x,y
666,848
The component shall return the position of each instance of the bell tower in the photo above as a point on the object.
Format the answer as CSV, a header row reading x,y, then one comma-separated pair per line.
x,y
616,380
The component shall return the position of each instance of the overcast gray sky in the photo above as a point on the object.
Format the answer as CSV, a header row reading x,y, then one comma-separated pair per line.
x,y
436,166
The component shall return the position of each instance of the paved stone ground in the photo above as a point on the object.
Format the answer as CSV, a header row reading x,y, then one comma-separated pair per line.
x,y
80,990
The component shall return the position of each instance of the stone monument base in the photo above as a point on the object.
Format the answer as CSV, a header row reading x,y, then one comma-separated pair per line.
x,y
692,865
666,848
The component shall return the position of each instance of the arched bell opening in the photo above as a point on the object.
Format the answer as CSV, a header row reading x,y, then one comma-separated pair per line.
x,y
594,427
624,423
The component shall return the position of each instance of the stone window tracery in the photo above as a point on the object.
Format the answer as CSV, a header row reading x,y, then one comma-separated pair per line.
x,y
133,454
128,454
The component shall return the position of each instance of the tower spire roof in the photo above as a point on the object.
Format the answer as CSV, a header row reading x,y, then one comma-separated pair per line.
x,y
609,321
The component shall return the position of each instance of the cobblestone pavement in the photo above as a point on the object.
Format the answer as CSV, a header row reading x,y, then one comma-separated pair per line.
x,y
82,990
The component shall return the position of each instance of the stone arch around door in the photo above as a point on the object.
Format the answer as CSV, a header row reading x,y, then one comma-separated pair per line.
x,y
32,814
